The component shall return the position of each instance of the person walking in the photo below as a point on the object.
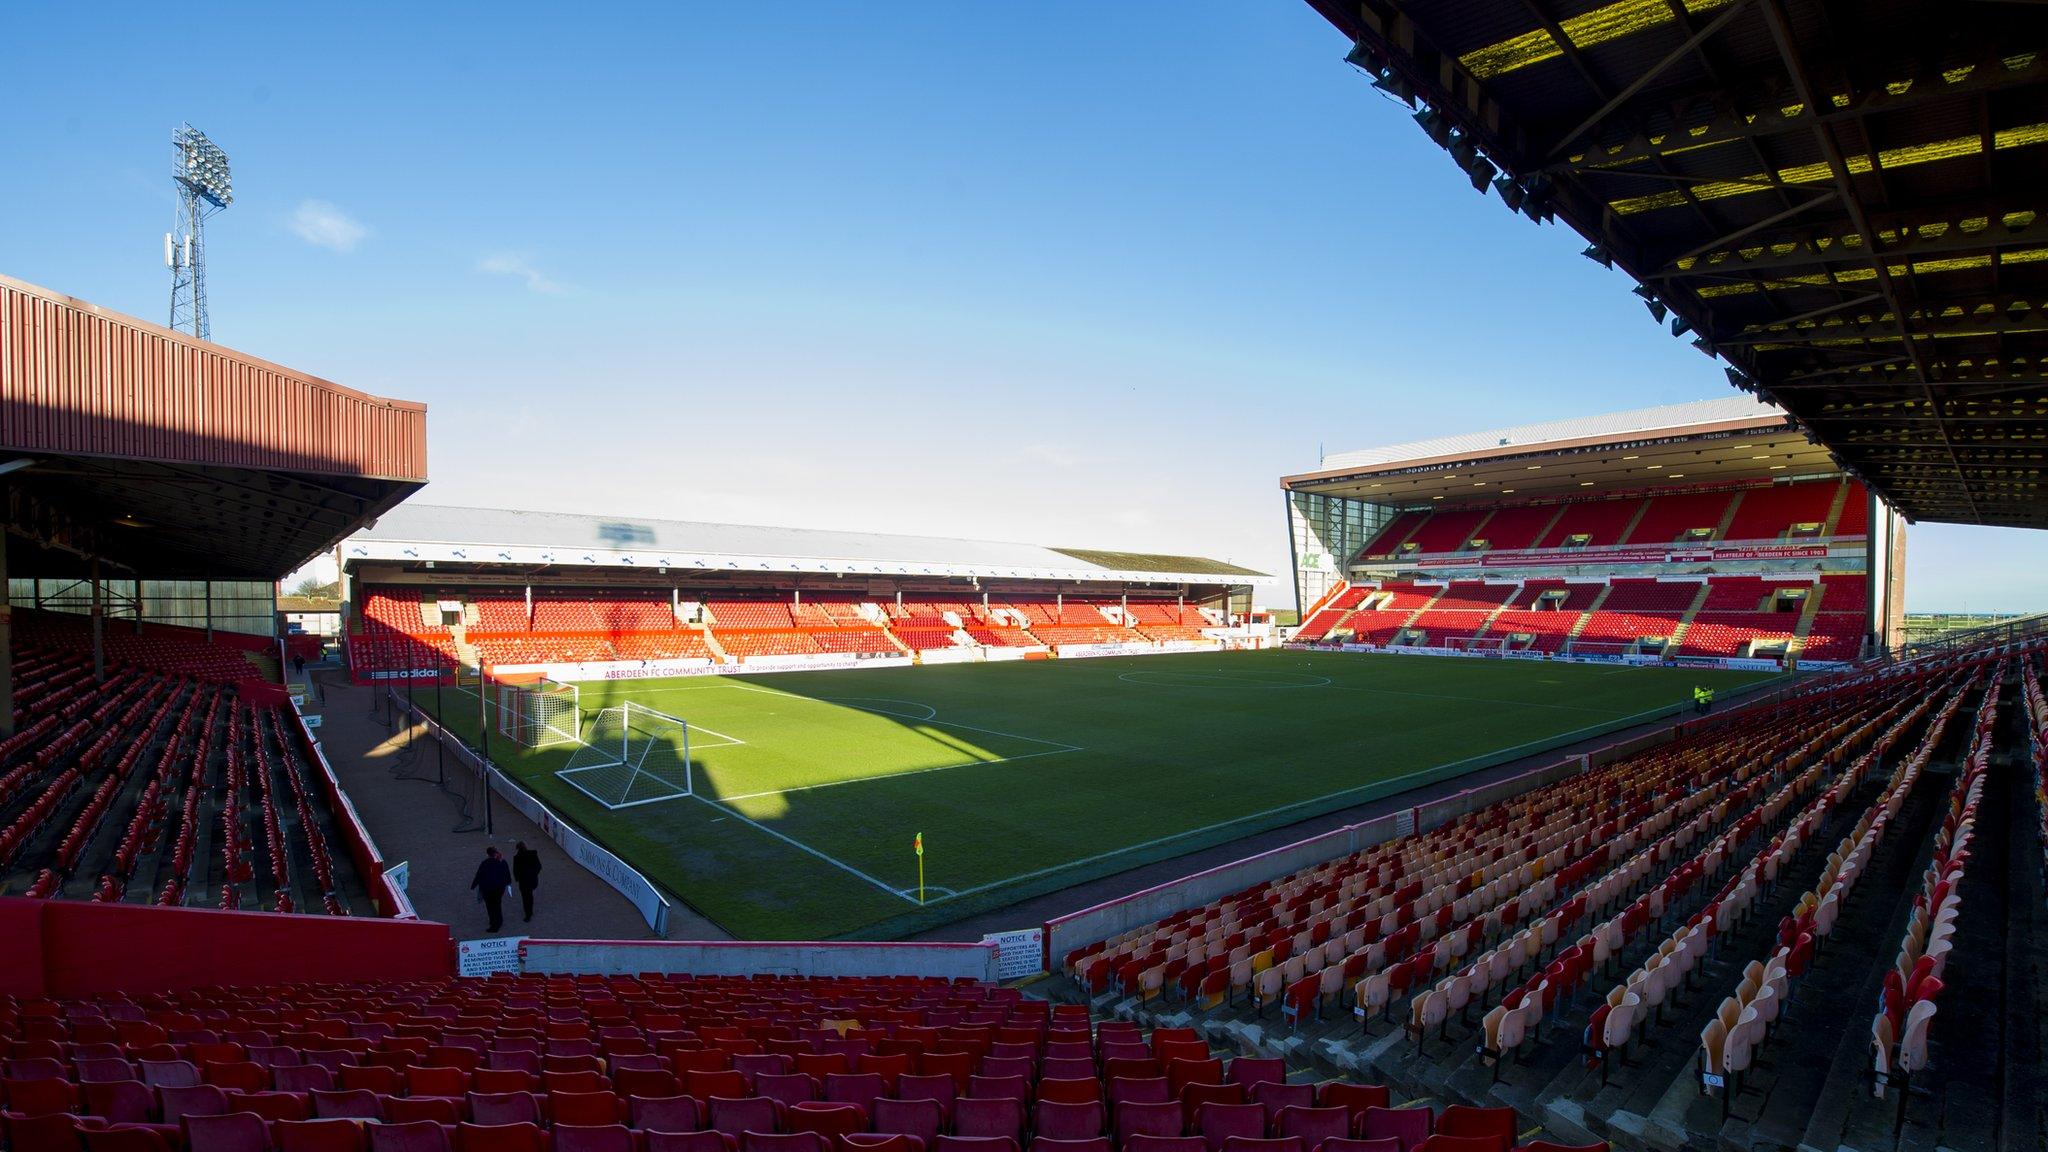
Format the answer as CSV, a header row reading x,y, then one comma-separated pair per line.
x,y
1699,699
526,873
492,878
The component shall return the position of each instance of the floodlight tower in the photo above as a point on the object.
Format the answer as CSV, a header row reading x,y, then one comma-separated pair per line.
x,y
200,170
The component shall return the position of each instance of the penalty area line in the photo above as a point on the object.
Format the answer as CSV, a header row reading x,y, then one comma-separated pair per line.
x,y
900,775
800,846
1053,744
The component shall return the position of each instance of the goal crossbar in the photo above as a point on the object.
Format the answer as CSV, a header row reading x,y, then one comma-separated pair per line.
x,y
630,755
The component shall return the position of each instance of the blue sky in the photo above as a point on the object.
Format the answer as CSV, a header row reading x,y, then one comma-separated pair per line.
x,y
1071,273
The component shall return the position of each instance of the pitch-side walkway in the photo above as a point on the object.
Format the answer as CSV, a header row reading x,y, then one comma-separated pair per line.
x,y
412,820
1033,912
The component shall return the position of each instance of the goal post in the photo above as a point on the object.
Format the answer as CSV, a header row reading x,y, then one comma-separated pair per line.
x,y
631,754
539,713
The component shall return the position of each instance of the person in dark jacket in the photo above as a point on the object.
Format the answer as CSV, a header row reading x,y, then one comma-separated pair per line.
x,y
526,872
492,878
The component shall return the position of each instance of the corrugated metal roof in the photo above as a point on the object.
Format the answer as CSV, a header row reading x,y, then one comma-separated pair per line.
x,y
1663,418
499,535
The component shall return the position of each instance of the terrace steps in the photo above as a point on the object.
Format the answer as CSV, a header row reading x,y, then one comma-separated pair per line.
x,y
1728,517
1628,530
717,649
1835,510
1808,611
1587,615
1551,525
1676,641
1477,531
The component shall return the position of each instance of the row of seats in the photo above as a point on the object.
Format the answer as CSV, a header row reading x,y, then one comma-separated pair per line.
x,y
1743,1022
398,634
1772,513
2036,704
715,1082
184,653
1379,907
1587,885
1737,617
149,782
1912,988
1727,829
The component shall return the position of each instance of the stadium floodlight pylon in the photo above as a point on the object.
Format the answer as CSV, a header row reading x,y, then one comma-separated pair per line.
x,y
199,170
540,713
632,755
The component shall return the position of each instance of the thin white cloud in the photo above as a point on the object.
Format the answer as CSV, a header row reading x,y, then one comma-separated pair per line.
x,y
519,268
1048,455
325,225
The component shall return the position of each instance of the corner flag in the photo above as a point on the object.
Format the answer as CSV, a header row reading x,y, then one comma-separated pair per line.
x,y
919,845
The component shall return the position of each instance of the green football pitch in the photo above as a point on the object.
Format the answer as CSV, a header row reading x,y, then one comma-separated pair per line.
x,y
1025,777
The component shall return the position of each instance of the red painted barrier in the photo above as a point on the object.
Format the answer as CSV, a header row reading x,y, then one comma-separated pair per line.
x,y
69,948
21,947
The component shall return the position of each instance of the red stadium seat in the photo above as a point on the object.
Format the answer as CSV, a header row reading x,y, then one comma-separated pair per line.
x,y
592,1138
232,1132
124,1139
419,1136
997,1119
319,1136
920,1118
1067,1121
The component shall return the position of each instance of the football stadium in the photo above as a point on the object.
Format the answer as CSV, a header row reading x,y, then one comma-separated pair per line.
x,y
1578,785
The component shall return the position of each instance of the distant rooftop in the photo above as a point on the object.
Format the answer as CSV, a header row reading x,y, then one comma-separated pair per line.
x,y
414,533
1617,425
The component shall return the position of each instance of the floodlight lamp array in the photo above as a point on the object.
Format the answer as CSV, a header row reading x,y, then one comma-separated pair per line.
x,y
202,166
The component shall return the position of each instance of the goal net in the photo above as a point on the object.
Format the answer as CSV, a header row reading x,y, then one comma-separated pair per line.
x,y
1477,643
539,713
631,755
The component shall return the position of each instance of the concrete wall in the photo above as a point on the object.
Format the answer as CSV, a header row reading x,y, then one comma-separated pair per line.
x,y
748,958
77,948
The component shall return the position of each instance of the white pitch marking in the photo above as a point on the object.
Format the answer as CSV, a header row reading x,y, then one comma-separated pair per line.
x,y
729,740
1558,741
899,775
803,847
1139,677
862,702
941,723
1468,699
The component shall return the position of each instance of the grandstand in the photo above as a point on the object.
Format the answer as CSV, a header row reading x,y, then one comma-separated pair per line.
x,y
148,751
1613,953
435,589
1706,533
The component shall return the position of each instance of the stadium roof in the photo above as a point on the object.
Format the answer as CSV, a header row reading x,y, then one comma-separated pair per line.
x,y
1843,201
177,458
414,534
1728,412
1731,440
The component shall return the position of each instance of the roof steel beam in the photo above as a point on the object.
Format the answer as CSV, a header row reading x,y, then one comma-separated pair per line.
x,y
1795,67
1756,116
1655,70
1899,239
